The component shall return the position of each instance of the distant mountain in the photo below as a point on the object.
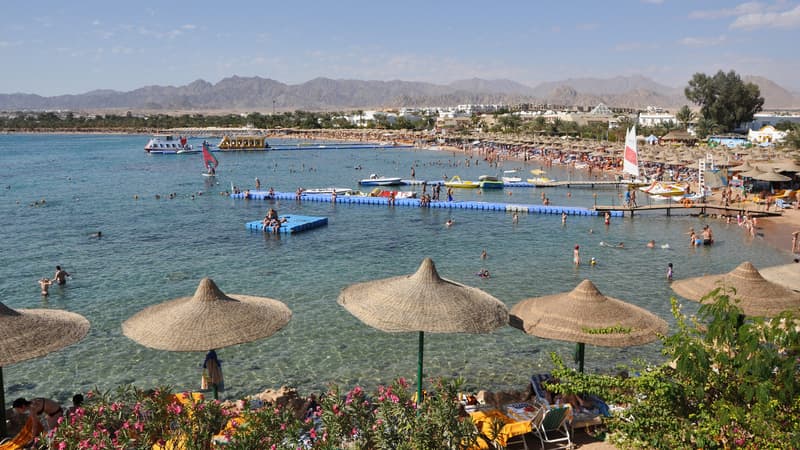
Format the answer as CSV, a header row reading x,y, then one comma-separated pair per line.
x,y
775,96
493,87
263,94
607,86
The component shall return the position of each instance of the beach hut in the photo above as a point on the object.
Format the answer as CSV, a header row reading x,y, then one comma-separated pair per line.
x,y
30,333
206,321
423,302
585,316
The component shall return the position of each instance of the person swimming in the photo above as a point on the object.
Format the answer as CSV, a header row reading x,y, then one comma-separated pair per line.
x,y
483,273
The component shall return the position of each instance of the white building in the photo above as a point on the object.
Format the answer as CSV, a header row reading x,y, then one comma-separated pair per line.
x,y
654,119
765,135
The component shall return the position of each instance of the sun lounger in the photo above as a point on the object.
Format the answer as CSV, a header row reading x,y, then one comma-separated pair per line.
x,y
581,417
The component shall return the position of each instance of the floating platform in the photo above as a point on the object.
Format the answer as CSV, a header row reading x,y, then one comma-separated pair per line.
x,y
293,224
415,203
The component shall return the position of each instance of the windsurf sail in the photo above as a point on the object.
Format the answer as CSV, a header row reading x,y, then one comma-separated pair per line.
x,y
630,162
209,160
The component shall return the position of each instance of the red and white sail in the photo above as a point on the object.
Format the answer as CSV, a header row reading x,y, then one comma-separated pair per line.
x,y
630,163
208,159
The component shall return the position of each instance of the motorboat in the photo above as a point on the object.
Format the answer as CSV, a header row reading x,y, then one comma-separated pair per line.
x,y
665,188
378,192
329,190
510,176
489,182
375,180
167,144
457,182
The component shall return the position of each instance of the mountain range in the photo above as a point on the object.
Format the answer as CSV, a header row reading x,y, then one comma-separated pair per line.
x,y
324,94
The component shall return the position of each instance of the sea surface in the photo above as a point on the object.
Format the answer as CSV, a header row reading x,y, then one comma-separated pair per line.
x,y
57,190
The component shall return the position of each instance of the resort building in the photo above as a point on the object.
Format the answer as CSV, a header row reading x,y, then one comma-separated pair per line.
x,y
766,135
654,119
729,141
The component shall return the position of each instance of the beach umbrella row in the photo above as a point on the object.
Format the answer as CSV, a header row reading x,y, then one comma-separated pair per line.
x,y
421,302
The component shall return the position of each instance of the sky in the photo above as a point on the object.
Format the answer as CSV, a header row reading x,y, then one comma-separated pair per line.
x,y
54,47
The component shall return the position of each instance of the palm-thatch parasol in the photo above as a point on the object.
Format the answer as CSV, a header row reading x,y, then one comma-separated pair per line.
x,y
758,296
586,316
423,302
206,321
770,176
31,333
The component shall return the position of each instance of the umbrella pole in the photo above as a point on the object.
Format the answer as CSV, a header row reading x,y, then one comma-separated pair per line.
x,y
579,351
2,406
419,367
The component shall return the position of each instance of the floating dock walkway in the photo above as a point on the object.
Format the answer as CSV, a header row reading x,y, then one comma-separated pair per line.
x,y
694,208
415,203
293,224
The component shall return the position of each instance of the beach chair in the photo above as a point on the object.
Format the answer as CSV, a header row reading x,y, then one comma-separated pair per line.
x,y
551,427
23,439
537,384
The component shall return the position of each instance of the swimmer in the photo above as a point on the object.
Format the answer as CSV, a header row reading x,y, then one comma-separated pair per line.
x,y
664,246
563,218
515,218
484,273
449,223
97,235
669,272
593,261
651,244
484,255
576,255
45,284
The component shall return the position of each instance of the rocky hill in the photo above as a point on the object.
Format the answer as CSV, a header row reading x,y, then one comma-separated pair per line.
x,y
320,94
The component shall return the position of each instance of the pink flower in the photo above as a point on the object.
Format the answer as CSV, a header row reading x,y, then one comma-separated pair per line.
x,y
313,433
354,431
62,445
283,427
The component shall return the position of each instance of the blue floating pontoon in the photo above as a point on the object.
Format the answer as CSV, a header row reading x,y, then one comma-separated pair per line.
x,y
293,224
412,202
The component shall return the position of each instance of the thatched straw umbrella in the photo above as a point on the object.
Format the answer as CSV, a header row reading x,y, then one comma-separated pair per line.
x,y
423,302
30,333
758,296
206,321
771,177
586,316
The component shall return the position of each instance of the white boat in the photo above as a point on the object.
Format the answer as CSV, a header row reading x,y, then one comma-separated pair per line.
x,y
167,144
664,188
375,180
329,190
510,176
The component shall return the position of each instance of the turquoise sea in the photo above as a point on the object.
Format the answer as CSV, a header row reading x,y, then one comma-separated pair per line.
x,y
153,250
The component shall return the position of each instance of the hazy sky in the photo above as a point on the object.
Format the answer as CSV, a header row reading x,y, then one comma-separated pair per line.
x,y
62,47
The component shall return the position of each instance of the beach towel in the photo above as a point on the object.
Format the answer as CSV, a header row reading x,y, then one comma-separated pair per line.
x,y
23,439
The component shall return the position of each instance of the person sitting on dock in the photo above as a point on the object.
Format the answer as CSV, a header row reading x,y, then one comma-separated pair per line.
x,y
271,215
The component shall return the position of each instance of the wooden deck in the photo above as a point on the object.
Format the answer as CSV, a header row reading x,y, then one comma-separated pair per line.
x,y
697,208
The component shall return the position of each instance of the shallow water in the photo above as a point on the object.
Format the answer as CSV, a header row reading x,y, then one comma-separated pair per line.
x,y
154,250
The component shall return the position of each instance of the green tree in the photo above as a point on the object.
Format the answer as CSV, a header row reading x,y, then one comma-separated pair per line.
x,y
684,115
724,98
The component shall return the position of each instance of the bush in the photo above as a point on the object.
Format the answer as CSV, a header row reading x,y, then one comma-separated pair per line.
x,y
733,384
133,419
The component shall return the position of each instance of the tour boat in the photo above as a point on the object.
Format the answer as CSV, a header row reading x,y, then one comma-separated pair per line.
x,y
167,144
243,143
